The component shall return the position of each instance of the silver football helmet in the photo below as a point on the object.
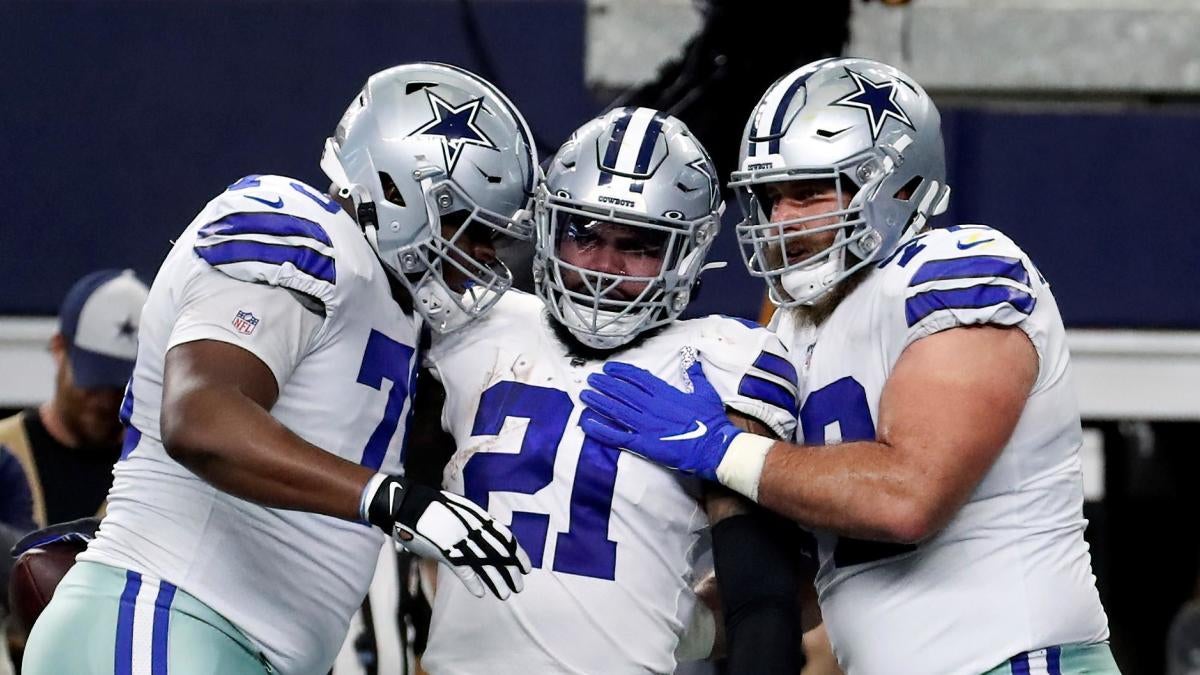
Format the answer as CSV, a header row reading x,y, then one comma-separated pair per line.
x,y
625,217
869,129
430,153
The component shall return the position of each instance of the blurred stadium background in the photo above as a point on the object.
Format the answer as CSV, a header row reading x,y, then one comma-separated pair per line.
x,y
1072,125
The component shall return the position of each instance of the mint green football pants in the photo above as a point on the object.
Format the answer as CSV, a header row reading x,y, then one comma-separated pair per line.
x,y
105,620
1093,659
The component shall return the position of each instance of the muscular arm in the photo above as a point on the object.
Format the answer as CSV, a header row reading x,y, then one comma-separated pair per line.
x,y
215,421
946,412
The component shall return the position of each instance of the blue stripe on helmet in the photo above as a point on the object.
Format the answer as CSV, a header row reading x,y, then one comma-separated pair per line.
x,y
777,366
303,258
609,163
159,632
272,224
123,664
781,109
767,392
649,140
974,266
922,305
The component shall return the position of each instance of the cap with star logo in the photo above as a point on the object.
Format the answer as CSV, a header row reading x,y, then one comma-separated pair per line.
x,y
99,320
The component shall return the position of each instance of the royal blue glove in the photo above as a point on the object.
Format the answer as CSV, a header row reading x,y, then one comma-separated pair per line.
x,y
635,410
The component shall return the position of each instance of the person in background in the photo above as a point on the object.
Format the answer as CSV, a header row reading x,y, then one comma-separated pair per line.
x,y
56,459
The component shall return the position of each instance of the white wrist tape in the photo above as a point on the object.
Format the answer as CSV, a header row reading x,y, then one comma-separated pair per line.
x,y
741,467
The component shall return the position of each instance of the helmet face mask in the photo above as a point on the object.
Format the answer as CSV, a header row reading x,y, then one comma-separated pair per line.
x,y
646,281
871,133
429,153
619,245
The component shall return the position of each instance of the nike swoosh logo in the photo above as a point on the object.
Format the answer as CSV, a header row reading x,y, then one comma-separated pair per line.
x,y
392,498
699,431
277,204
963,247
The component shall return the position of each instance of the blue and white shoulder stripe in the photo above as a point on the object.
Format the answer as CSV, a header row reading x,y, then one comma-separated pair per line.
x,y
968,275
273,245
771,378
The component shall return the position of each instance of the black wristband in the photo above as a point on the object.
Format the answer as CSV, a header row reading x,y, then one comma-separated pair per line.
x,y
398,500
387,499
758,564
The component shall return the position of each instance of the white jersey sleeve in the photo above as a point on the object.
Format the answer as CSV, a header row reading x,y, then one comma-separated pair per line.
x,y
750,369
255,235
266,321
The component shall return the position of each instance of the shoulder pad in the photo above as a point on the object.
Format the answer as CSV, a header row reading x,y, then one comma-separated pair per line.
x,y
273,230
961,275
750,367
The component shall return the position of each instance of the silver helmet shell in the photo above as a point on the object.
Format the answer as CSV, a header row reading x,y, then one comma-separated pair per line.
x,y
871,130
643,171
419,143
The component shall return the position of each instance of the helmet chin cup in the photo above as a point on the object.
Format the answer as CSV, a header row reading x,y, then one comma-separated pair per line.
x,y
434,302
808,285
612,329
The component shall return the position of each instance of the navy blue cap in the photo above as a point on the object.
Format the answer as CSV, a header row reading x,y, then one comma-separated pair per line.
x,y
99,318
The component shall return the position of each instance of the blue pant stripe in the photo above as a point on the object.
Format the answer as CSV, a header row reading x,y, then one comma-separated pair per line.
x,y
1054,660
1020,664
123,664
162,622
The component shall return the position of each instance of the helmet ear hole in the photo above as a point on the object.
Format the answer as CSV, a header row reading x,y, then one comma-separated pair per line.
x,y
909,189
390,191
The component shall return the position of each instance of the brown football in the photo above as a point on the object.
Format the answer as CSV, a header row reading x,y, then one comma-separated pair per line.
x,y
35,575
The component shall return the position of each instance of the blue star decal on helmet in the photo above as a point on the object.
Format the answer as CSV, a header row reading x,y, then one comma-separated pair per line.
x,y
456,126
878,99
127,329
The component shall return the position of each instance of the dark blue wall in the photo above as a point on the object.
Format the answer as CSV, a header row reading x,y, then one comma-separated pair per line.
x,y
119,120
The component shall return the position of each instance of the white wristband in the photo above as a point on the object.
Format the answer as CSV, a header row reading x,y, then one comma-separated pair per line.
x,y
368,494
741,467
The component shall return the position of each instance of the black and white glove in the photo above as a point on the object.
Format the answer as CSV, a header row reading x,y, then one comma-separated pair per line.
x,y
449,529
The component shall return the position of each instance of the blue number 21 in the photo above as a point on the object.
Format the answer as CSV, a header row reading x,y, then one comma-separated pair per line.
x,y
584,549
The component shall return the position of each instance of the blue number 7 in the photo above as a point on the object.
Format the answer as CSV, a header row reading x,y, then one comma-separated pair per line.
x,y
385,359
584,549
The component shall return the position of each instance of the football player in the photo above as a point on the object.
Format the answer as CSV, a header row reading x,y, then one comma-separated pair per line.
x,y
267,409
937,458
628,210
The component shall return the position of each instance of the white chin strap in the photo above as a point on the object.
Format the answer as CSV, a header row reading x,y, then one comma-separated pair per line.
x,y
613,330
807,285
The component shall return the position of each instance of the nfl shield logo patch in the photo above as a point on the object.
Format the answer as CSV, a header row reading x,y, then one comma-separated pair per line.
x,y
245,322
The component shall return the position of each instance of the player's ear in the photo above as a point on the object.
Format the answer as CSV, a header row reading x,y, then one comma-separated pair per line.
x,y
58,348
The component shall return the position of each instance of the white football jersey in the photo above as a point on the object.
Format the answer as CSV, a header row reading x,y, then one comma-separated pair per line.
x,y
345,365
1011,571
610,535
